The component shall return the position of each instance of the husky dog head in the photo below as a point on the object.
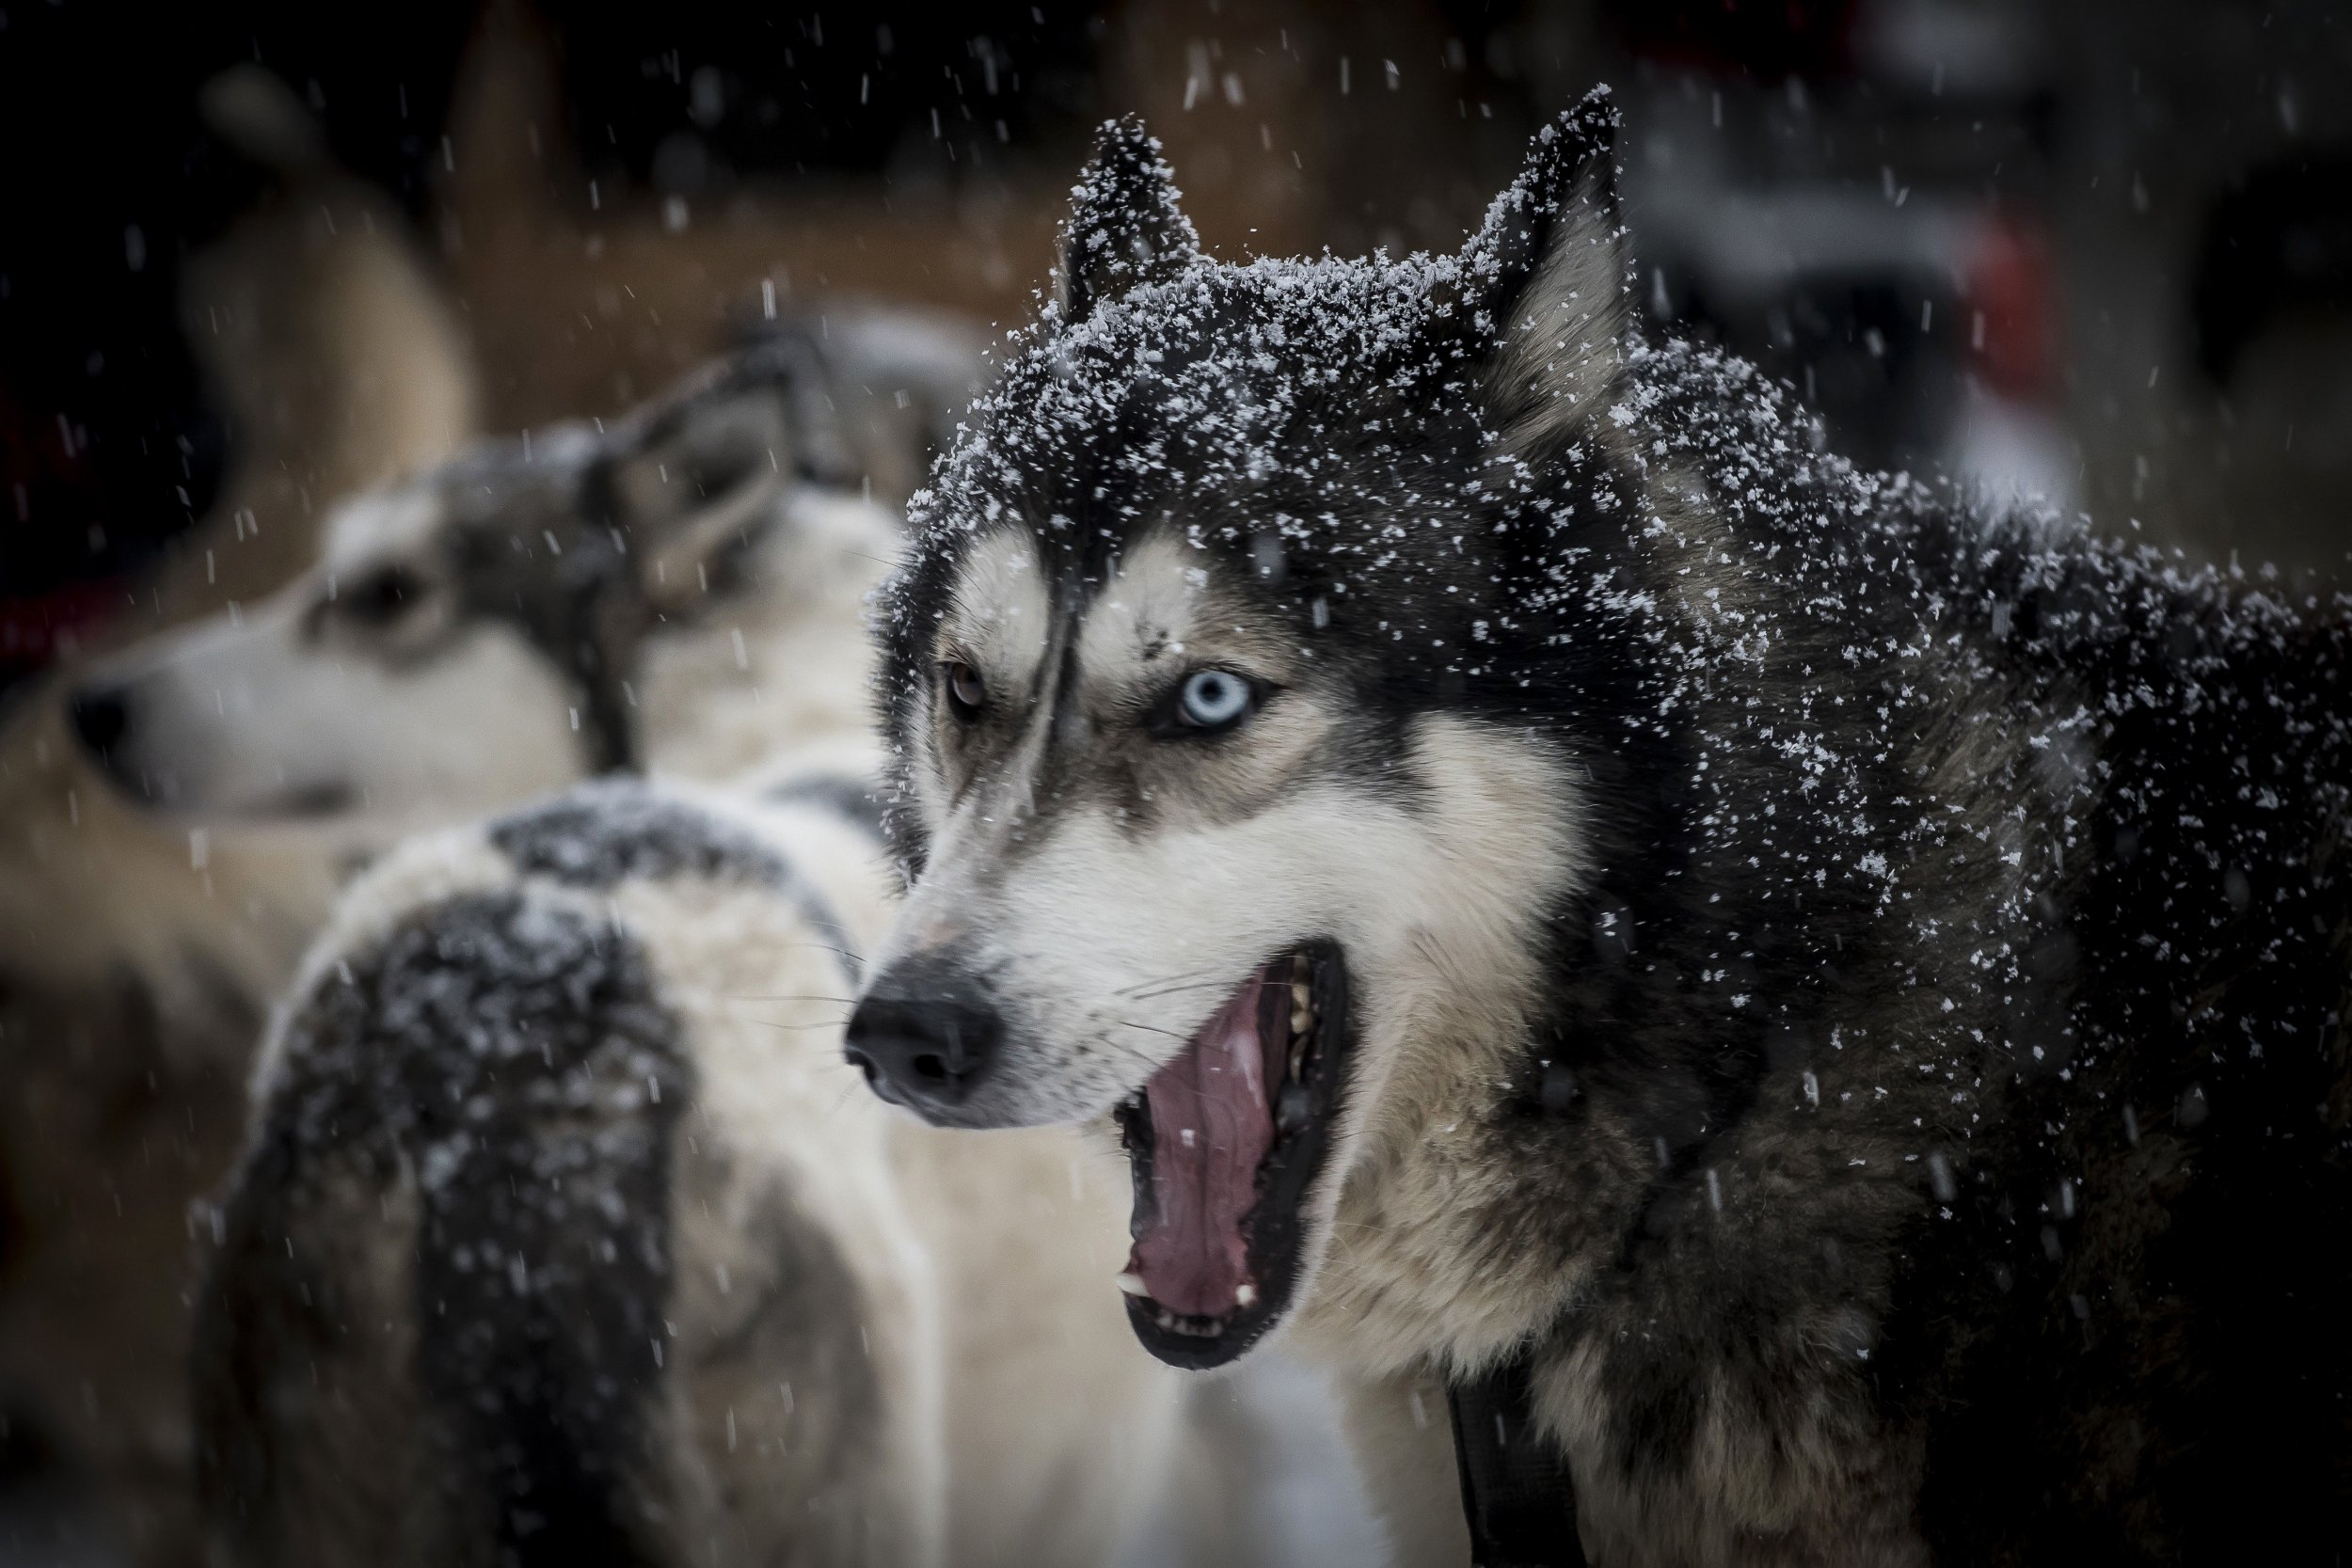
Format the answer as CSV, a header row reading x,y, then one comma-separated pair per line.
x,y
1234,693
473,635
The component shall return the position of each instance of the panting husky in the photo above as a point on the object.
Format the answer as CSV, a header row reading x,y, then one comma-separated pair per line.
x,y
1813,1016
564,1235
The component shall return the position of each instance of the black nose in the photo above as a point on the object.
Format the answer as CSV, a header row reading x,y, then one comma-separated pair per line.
x,y
100,716
925,1035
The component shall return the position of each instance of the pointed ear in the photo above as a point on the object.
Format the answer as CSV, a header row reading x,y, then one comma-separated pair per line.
x,y
1125,226
686,484
1545,282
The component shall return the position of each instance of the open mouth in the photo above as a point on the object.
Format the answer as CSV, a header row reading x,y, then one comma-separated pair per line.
x,y
1224,1143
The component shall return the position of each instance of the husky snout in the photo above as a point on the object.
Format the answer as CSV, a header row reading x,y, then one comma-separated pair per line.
x,y
926,1035
109,718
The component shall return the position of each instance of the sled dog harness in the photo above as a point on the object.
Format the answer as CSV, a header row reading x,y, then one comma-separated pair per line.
x,y
1516,1494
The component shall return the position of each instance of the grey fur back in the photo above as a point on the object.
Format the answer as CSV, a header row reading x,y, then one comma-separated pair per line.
x,y
448,1320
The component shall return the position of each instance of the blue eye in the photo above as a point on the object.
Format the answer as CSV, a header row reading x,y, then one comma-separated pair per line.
x,y
1212,699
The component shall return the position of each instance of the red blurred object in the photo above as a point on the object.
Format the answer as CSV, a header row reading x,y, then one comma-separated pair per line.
x,y
43,627
48,500
2010,290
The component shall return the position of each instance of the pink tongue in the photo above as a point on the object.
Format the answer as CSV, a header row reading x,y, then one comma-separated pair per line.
x,y
1212,1123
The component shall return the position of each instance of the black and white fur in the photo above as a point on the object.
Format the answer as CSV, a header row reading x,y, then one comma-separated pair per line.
x,y
1848,989
680,591
564,1234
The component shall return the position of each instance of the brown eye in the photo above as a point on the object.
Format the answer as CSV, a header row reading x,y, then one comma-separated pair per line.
x,y
966,691
382,597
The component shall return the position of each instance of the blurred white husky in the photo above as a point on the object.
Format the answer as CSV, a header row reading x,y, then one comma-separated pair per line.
x,y
682,592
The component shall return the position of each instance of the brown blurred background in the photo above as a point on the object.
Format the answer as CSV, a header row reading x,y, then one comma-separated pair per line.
x,y
2094,252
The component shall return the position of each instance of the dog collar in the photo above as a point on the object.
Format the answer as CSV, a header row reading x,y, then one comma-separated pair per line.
x,y
1516,1496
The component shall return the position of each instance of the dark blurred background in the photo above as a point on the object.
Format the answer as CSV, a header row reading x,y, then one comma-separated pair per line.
x,y
2099,252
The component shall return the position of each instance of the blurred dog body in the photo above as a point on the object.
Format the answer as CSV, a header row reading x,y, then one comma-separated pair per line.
x,y
564,1220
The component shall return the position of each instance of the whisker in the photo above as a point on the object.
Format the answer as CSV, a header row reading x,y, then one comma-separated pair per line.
x,y
1149,1028
1102,1037
843,1001
1172,988
1263,985
822,947
1162,980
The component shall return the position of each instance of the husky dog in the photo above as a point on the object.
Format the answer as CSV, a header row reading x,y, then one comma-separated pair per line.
x,y
681,592
564,1234
1564,882
262,749
660,595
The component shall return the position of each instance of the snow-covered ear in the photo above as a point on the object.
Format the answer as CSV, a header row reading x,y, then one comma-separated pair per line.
x,y
1545,279
692,479
1125,226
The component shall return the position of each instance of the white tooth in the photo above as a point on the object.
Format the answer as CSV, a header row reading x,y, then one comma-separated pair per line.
x,y
1302,1007
1133,1285
1244,1295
